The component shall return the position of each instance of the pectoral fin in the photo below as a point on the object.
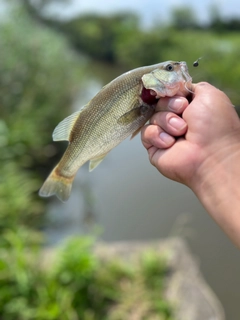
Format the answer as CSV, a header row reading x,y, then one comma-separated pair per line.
x,y
95,162
133,114
129,116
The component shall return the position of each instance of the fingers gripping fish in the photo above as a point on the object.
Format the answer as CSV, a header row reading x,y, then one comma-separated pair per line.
x,y
118,110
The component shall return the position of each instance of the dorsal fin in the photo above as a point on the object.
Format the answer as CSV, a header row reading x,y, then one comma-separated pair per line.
x,y
63,129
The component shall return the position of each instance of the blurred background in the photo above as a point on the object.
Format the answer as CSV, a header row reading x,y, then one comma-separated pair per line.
x,y
54,57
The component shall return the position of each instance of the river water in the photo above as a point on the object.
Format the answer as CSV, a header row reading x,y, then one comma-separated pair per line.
x,y
127,199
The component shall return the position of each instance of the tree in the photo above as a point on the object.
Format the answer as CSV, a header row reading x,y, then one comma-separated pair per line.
x,y
183,18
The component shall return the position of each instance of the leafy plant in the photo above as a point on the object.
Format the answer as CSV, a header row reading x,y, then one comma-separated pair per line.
x,y
38,79
76,284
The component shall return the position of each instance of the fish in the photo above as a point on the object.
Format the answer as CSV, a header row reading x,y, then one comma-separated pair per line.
x,y
120,109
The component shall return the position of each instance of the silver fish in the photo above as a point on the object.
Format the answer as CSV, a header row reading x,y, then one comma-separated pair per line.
x,y
118,110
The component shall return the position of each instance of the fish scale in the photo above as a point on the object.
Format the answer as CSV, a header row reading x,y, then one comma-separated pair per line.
x,y
119,110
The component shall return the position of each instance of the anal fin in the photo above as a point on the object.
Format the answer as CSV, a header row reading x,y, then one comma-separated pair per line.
x,y
93,163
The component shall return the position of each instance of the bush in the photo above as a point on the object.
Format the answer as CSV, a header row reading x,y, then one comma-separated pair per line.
x,y
38,79
78,285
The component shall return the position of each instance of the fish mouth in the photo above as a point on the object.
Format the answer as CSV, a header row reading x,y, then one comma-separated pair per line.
x,y
185,73
186,76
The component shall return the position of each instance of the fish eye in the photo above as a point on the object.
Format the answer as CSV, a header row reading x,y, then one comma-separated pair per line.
x,y
169,67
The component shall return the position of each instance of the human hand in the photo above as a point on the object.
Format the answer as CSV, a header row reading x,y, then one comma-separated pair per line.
x,y
182,138
198,144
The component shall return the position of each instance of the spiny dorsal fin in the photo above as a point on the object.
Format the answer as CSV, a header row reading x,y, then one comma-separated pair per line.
x,y
64,128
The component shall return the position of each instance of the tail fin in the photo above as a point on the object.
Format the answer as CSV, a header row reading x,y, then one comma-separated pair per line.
x,y
57,185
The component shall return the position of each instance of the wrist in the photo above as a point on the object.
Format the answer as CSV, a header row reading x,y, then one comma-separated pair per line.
x,y
219,165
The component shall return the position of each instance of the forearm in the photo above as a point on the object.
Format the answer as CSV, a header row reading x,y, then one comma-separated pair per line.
x,y
218,189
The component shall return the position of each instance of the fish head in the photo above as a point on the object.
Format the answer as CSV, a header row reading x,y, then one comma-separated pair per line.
x,y
169,79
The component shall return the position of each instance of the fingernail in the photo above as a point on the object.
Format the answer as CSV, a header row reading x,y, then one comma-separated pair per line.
x,y
177,123
166,138
175,104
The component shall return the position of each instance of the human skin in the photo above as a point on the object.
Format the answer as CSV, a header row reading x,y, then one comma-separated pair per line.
x,y
198,144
